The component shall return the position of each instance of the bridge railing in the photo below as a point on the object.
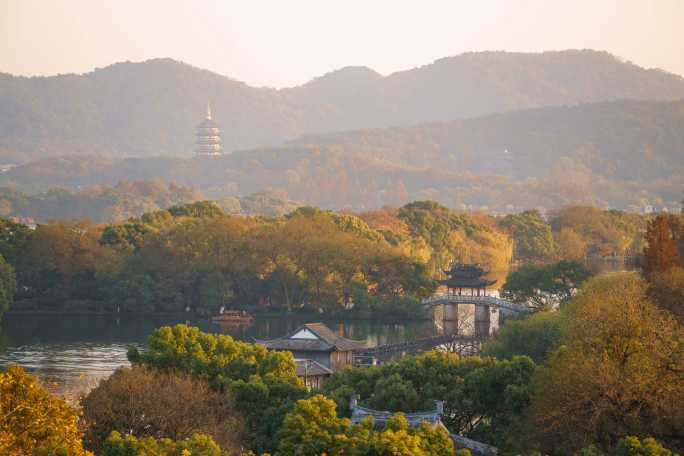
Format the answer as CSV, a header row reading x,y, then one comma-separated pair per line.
x,y
442,298
417,345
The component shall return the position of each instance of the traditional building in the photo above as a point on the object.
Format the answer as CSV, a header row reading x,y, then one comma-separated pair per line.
x,y
431,417
468,279
313,374
380,417
208,137
317,342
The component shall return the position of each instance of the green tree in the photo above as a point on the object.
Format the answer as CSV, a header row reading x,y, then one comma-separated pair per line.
x,y
632,446
14,239
480,395
532,236
398,438
127,237
544,287
262,382
196,445
8,286
435,223
535,336
199,209
313,428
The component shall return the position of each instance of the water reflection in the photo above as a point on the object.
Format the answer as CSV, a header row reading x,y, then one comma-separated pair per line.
x,y
77,351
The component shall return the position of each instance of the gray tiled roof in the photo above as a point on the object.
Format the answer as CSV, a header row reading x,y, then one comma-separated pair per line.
x,y
327,340
310,367
330,337
283,343
380,417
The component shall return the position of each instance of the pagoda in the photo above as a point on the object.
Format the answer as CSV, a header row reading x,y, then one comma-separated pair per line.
x,y
468,279
208,137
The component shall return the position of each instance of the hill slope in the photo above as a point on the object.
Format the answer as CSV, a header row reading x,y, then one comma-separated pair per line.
x,y
151,108
619,154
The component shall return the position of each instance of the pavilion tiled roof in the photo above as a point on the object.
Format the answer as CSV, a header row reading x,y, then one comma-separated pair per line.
x,y
463,275
457,282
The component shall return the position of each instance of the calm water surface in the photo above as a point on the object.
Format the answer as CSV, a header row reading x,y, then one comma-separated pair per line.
x,y
77,351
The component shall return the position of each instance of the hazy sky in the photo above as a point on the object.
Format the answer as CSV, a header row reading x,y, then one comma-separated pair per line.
x,y
287,42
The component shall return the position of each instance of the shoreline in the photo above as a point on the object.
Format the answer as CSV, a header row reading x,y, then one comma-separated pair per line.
x,y
128,315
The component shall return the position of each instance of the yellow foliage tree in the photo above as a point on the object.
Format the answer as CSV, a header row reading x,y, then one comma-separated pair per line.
x,y
33,422
619,374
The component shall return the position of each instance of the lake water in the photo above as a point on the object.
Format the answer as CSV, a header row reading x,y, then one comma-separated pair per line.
x,y
77,351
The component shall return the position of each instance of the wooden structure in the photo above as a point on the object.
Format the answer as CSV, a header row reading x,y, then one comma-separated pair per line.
x,y
313,374
232,316
452,343
317,342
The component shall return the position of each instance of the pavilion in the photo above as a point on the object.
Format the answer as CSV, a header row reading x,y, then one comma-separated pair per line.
x,y
467,279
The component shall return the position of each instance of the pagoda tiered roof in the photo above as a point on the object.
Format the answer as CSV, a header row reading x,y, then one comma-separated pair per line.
x,y
208,136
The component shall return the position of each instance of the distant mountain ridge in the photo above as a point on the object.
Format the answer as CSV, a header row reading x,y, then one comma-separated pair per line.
x,y
150,108
619,154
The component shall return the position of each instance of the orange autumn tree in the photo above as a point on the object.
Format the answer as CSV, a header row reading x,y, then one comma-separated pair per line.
x,y
33,422
618,374
662,237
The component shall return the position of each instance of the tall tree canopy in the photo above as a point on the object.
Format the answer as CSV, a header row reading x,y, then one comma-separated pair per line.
x,y
663,237
8,286
619,372
313,428
545,287
481,395
32,421
532,236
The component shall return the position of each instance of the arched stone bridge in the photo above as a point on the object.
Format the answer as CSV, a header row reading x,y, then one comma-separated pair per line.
x,y
491,301
477,316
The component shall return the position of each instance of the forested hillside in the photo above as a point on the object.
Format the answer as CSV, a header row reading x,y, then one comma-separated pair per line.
x,y
151,108
622,154
103,203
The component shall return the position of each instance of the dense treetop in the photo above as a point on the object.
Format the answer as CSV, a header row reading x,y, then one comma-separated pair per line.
x,y
313,427
32,421
103,203
195,257
618,372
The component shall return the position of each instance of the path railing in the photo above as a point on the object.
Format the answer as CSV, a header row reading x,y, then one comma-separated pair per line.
x,y
445,298
464,345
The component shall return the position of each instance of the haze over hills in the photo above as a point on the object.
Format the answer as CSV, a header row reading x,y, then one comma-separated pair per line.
x,y
150,108
620,154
